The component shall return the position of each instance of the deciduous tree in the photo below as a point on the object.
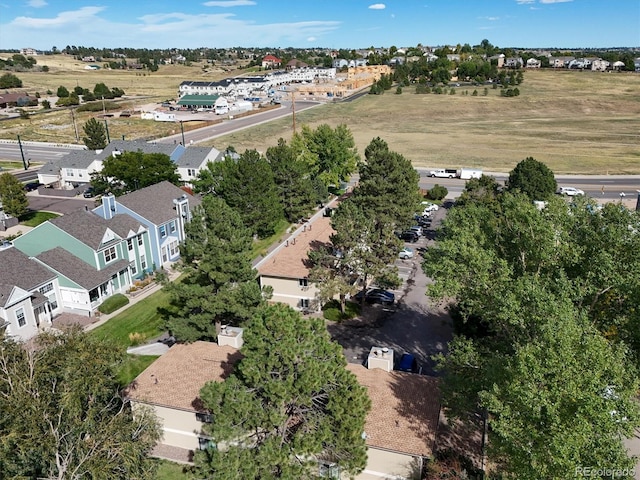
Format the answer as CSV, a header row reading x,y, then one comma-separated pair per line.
x,y
131,171
63,416
289,402
533,178
12,195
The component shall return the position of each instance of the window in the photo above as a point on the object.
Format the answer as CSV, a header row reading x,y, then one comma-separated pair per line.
x,y
172,227
304,303
303,282
140,240
47,288
163,231
69,172
130,244
174,248
143,262
110,254
328,470
134,269
20,317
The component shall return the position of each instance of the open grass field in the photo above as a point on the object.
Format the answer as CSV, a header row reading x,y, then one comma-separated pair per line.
x,y
575,122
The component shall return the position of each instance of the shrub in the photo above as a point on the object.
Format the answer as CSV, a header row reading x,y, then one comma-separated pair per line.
x,y
438,192
331,311
137,338
97,107
113,303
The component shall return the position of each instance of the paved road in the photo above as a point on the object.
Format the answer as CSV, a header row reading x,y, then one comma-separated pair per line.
x,y
58,204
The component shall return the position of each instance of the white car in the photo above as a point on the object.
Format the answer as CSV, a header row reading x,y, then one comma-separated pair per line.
x,y
570,191
430,207
405,253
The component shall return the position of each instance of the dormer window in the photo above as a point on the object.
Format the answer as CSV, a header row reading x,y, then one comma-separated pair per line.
x,y
110,254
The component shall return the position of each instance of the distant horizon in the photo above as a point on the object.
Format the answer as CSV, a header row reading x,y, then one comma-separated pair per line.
x,y
331,24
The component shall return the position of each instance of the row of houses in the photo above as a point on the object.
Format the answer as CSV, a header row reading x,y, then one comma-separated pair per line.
x,y
75,168
246,86
75,262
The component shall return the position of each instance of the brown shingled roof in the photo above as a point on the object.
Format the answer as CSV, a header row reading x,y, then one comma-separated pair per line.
x,y
291,260
405,408
175,379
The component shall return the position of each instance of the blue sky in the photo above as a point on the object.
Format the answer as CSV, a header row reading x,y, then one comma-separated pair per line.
x,y
42,24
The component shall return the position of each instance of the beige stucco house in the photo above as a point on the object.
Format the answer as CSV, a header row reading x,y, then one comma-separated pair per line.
x,y
287,269
400,429
171,385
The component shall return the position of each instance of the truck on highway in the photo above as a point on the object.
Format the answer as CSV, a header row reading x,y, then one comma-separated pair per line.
x,y
462,173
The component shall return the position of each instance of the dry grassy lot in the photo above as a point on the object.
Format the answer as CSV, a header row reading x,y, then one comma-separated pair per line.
x,y
576,122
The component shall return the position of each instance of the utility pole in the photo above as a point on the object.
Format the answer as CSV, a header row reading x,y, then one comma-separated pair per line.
x,y
293,107
106,127
182,130
24,163
75,126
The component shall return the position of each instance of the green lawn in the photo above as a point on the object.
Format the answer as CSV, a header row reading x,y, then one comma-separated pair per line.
x,y
33,219
260,246
133,366
142,318
170,471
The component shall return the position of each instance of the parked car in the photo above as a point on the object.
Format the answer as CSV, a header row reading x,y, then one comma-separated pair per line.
x,y
376,295
429,207
417,229
30,187
89,192
409,236
408,363
570,191
406,253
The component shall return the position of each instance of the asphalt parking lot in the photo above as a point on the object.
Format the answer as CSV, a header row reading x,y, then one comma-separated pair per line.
x,y
414,324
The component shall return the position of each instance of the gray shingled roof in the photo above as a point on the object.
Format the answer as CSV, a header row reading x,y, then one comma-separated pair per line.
x,y
135,145
193,157
122,224
155,203
83,225
18,270
78,271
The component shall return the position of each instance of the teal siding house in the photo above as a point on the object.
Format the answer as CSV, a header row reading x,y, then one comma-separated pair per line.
x,y
93,258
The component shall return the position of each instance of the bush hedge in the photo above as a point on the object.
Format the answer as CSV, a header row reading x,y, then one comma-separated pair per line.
x,y
113,303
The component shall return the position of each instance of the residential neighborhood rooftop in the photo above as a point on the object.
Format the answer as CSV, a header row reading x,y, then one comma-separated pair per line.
x,y
155,203
291,260
175,379
19,271
405,409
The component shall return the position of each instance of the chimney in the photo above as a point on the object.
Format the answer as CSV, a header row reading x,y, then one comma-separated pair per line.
x,y
380,357
231,336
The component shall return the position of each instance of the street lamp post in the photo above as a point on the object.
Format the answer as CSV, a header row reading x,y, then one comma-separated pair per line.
x,y
182,131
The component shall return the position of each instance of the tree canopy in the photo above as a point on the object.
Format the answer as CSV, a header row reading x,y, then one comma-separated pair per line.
x,y
219,285
246,183
12,195
63,416
533,178
96,134
131,171
547,345
289,402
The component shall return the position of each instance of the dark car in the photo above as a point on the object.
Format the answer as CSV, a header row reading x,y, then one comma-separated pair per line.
x,y
89,192
376,295
30,187
409,236
408,363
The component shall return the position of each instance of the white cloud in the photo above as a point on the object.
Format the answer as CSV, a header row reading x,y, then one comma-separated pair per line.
x,y
377,6
229,3
525,2
393,15
555,1
311,39
37,3
491,19
63,19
